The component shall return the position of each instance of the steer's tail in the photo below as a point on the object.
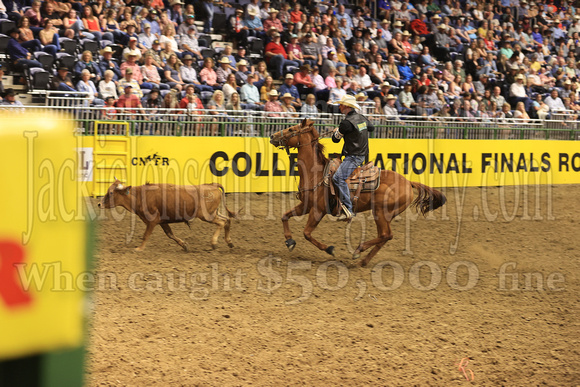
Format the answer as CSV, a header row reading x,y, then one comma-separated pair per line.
x,y
231,214
428,199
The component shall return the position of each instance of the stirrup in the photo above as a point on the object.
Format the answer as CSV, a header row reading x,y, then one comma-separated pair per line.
x,y
346,215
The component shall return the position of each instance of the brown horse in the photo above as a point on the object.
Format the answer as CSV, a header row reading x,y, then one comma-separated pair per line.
x,y
393,196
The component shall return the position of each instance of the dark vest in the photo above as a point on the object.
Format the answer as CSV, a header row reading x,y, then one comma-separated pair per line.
x,y
356,139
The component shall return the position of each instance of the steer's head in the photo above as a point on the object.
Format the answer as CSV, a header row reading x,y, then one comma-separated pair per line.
x,y
115,195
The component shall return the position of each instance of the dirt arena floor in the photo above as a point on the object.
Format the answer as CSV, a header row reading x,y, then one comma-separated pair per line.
x,y
492,277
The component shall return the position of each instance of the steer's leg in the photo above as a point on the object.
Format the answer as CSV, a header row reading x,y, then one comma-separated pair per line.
x,y
227,236
148,231
169,233
221,223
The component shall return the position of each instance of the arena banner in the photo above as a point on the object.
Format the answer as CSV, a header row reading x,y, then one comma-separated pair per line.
x,y
252,164
42,246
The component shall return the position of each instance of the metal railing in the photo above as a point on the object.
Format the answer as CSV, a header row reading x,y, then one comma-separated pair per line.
x,y
246,123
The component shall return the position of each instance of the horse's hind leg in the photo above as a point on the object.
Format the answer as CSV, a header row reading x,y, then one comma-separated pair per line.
x,y
385,234
170,234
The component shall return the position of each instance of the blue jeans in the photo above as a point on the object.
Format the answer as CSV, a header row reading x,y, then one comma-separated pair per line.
x,y
345,169
278,63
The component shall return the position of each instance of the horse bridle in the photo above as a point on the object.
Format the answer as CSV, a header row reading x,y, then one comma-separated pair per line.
x,y
284,139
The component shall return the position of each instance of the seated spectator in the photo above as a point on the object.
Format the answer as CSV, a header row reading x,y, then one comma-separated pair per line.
x,y
72,26
321,90
242,72
107,87
521,114
129,80
108,63
518,92
277,58
49,11
337,93
153,101
224,70
237,28
86,62
109,24
273,106
110,113
288,87
62,81
183,28
392,72
230,87
540,109
363,80
405,72
234,104
309,109
208,75
168,41
34,15
189,44
19,56
406,100
150,74
87,86
242,55
266,88
250,95
303,81
254,24
216,107
171,73
554,102
390,109
93,25
287,106
26,36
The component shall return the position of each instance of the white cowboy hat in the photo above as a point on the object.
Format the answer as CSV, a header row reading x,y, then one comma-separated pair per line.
x,y
225,60
286,95
129,53
273,93
348,100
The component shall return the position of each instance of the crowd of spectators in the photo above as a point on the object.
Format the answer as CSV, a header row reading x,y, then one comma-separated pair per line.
x,y
428,58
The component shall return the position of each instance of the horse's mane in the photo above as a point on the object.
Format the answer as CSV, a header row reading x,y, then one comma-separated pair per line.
x,y
319,149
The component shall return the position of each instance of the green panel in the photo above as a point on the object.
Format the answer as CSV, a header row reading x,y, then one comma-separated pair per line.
x,y
64,368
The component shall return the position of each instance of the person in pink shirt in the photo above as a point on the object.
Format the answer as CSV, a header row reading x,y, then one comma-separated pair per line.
x,y
131,63
273,21
303,81
207,75
273,106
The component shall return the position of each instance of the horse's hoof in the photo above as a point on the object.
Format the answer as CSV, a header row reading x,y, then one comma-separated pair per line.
x,y
230,244
356,255
330,250
185,248
290,243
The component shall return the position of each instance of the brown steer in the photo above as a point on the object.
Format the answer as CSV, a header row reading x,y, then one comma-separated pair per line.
x,y
161,204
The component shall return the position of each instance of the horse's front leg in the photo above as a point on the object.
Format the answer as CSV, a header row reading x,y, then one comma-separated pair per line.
x,y
296,211
314,218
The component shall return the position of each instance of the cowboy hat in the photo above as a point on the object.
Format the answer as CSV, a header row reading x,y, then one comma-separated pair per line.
x,y
242,63
348,100
252,12
273,10
391,96
106,49
175,2
273,93
286,95
225,60
129,53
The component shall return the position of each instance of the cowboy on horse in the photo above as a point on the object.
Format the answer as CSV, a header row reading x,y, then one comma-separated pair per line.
x,y
355,130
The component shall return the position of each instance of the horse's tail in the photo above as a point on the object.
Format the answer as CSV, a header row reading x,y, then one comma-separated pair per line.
x,y
231,214
428,199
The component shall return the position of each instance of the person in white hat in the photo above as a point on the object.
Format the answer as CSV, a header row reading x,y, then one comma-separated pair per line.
x,y
223,70
273,105
175,13
355,130
518,92
107,63
242,72
254,24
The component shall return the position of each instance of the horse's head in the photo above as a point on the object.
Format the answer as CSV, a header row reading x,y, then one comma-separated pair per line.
x,y
295,136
